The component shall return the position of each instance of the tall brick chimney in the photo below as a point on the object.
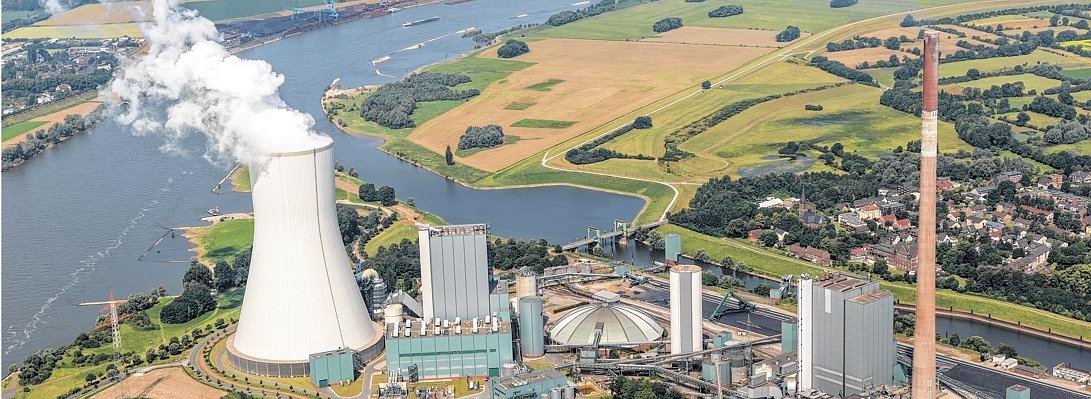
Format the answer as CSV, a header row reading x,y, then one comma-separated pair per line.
x,y
924,337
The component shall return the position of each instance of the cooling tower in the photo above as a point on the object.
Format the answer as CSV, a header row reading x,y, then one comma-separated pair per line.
x,y
686,320
301,297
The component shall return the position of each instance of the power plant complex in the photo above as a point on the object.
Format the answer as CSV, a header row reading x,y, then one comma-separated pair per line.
x,y
306,314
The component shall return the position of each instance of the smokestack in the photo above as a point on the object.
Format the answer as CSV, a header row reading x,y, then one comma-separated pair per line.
x,y
924,338
301,297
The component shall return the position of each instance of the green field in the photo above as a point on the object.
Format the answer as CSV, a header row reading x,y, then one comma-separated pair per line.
x,y
1030,82
223,240
1081,73
774,264
999,63
545,86
808,15
14,15
20,129
227,9
518,106
402,230
1036,119
49,108
542,124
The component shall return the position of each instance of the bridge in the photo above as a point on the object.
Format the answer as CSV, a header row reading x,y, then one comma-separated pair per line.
x,y
621,228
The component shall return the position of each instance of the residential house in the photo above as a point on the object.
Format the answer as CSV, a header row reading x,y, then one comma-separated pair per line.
x,y
1080,177
944,185
813,255
902,256
1048,215
1012,176
1034,260
851,220
869,212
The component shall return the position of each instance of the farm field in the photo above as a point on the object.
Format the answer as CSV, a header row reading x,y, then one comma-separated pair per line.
x,y
20,129
1030,82
947,41
1036,119
1082,43
853,58
49,120
601,80
1081,73
100,31
851,116
1029,60
99,13
168,383
718,36
1012,23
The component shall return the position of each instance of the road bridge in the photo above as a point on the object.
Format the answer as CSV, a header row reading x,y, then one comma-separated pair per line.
x,y
621,228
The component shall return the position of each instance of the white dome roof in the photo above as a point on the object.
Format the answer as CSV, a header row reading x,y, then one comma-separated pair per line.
x,y
621,324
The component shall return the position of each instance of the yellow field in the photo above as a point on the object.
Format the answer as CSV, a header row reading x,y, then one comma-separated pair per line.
x,y
102,13
168,383
1012,22
718,36
101,31
602,80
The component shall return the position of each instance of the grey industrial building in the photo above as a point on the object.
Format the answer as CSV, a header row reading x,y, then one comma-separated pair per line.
x,y
425,349
455,273
846,335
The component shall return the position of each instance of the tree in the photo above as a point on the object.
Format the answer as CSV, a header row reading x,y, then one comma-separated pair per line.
x,y
762,289
197,274
225,276
908,21
769,239
706,85
702,255
954,340
368,193
790,33
487,136
512,48
667,24
386,196
1007,350
879,267
90,377
449,156
642,122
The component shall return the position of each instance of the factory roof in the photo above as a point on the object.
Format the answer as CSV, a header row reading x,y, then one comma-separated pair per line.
x,y
453,230
869,297
840,282
530,378
426,327
620,324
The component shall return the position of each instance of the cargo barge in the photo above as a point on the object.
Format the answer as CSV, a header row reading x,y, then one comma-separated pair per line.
x,y
419,22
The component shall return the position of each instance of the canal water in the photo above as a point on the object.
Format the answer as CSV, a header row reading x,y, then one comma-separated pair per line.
x,y
1047,352
79,217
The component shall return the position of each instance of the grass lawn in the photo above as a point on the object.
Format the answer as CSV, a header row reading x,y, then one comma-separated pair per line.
x,y
541,364
1036,119
221,241
999,63
518,106
774,264
19,129
350,390
461,386
402,229
542,124
546,85
240,180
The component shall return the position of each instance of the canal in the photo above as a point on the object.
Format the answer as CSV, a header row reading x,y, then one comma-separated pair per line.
x,y
79,216
1047,352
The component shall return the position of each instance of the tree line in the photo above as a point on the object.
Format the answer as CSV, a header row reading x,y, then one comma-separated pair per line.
x,y
839,69
592,153
859,42
725,11
788,34
40,140
666,24
565,17
392,105
383,195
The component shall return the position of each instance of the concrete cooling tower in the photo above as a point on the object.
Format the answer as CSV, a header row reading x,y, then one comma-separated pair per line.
x,y
301,297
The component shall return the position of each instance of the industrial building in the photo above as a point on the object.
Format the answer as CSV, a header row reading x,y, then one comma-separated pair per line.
x,y
534,384
606,322
846,335
531,327
686,309
373,290
301,298
429,348
455,272
672,247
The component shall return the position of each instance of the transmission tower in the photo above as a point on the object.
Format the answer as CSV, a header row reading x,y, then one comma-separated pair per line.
x,y
115,329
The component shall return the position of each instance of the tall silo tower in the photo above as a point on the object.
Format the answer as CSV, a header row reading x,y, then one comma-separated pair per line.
x,y
686,321
301,297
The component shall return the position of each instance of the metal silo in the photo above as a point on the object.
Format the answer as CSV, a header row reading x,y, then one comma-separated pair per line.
x,y
686,318
531,326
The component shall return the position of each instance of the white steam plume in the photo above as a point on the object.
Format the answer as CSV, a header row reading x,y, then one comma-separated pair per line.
x,y
232,101
54,7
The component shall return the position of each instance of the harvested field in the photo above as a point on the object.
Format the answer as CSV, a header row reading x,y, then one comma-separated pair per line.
x,y
1030,82
51,119
168,383
854,58
100,31
602,80
719,37
1057,29
99,13
947,41
1065,60
1012,23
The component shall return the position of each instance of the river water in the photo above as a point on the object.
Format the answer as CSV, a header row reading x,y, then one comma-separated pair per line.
x,y
78,217
1047,352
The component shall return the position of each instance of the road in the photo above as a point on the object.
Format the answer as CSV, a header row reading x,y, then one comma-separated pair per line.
x,y
766,321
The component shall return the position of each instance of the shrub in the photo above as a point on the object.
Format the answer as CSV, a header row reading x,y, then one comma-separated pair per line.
x,y
813,107
706,85
512,48
642,122
667,24
841,3
481,137
725,11
790,33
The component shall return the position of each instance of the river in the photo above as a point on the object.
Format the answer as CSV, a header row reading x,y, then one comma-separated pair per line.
x,y
80,215
1047,352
